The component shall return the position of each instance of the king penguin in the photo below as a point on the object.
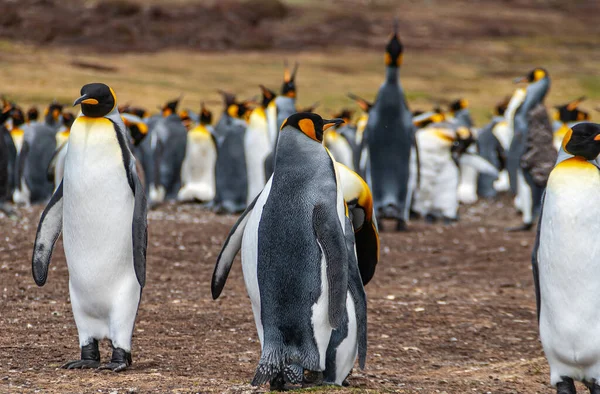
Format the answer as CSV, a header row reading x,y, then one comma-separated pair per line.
x,y
565,263
169,139
491,149
285,106
100,207
56,168
339,140
256,144
360,150
294,254
231,176
8,157
532,151
566,116
391,142
39,144
198,169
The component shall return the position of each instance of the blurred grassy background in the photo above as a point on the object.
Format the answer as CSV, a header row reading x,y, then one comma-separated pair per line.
x,y
434,72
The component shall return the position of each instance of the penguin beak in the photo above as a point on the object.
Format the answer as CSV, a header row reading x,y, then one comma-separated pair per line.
x,y
597,137
520,79
85,100
327,123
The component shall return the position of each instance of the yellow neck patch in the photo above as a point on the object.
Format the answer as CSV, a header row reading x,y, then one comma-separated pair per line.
x,y
308,127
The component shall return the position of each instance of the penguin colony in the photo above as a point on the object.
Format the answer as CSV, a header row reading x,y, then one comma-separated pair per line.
x,y
312,194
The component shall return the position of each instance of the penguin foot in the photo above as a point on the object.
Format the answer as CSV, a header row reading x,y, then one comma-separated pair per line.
x,y
448,221
401,225
567,386
312,378
277,383
90,357
430,219
81,364
119,361
523,227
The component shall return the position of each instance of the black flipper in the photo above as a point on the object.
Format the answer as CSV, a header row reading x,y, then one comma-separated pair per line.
x,y
158,153
330,236
367,249
48,230
139,221
231,247
357,291
534,261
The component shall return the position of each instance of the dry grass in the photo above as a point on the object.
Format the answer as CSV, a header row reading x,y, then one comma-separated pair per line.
x,y
482,73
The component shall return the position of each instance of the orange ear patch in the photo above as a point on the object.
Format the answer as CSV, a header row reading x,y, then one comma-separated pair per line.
x,y
566,140
308,127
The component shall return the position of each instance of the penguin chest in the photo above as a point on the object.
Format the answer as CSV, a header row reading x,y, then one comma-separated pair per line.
x,y
98,205
569,260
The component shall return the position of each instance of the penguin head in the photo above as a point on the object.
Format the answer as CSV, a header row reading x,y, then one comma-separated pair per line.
x,y
170,107
394,49
583,140
362,103
205,115
184,115
97,100
68,119
137,111
267,96
570,113
32,114
311,124
501,107
17,117
534,75
458,105
288,89
345,114
53,112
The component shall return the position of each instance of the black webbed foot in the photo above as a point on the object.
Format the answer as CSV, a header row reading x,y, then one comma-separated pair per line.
x,y
90,357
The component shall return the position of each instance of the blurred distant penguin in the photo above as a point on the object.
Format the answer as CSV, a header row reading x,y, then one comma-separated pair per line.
x,y
339,143
32,115
256,144
100,208
390,141
52,116
565,263
56,167
16,132
532,146
294,255
491,149
198,169
361,152
460,114
8,158
39,144
169,140
567,115
230,171
285,105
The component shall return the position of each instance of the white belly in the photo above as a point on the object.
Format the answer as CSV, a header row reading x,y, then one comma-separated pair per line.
x,y
257,148
198,168
569,262
98,211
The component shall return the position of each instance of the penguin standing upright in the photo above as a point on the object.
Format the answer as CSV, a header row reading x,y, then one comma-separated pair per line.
x,y
56,168
100,207
52,116
532,146
361,155
16,132
39,144
8,157
565,263
32,115
491,149
198,169
285,106
256,144
339,140
230,170
294,255
169,146
390,141
460,114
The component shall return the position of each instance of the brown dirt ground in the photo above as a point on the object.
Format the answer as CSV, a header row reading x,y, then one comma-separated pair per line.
x,y
451,310
136,25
